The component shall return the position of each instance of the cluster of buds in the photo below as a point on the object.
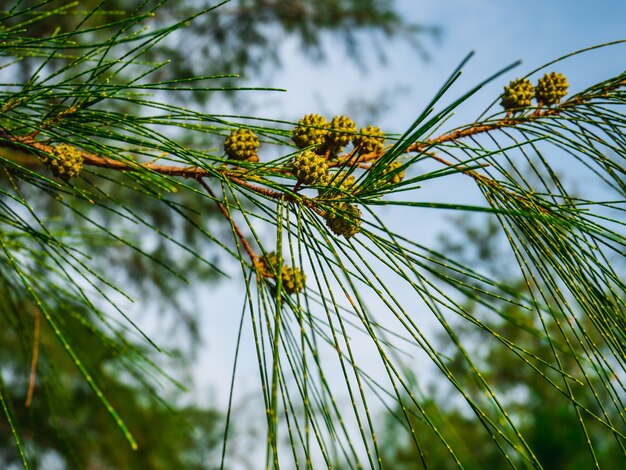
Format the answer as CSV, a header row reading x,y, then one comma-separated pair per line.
x,y
242,145
64,161
329,138
309,167
550,89
292,278
321,141
344,219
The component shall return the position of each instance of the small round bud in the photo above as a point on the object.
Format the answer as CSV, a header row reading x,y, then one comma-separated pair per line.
x,y
551,88
293,279
517,94
242,145
309,167
344,220
370,139
342,130
66,161
311,131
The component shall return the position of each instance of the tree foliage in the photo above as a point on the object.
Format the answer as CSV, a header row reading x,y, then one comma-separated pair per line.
x,y
544,415
327,277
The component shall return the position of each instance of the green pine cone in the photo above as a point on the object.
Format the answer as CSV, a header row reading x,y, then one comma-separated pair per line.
x,y
517,94
309,167
293,279
370,139
551,88
342,130
66,162
242,145
344,220
311,131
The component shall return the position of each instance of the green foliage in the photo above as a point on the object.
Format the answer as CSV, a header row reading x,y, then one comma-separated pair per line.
x,y
240,37
60,420
517,364
369,291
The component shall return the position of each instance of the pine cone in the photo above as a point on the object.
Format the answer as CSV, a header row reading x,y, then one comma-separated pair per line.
x,y
311,131
342,130
66,162
309,167
293,279
344,220
242,145
370,139
268,265
518,94
551,88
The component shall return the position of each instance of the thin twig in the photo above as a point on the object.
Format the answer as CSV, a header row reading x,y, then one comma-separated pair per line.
x,y
226,214
33,365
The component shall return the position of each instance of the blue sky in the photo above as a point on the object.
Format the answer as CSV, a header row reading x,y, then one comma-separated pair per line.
x,y
500,32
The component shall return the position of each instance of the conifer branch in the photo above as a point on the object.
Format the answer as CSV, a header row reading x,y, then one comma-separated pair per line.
x,y
30,145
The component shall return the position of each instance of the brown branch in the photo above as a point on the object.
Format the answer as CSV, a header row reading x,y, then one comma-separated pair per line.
x,y
226,214
421,147
296,199
481,129
28,143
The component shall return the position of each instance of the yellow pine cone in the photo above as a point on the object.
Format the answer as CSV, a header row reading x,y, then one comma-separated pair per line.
x,y
293,279
267,265
551,88
309,167
242,145
66,162
311,131
344,220
517,94
370,139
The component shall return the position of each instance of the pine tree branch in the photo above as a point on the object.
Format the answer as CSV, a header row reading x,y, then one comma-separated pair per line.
x,y
30,145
